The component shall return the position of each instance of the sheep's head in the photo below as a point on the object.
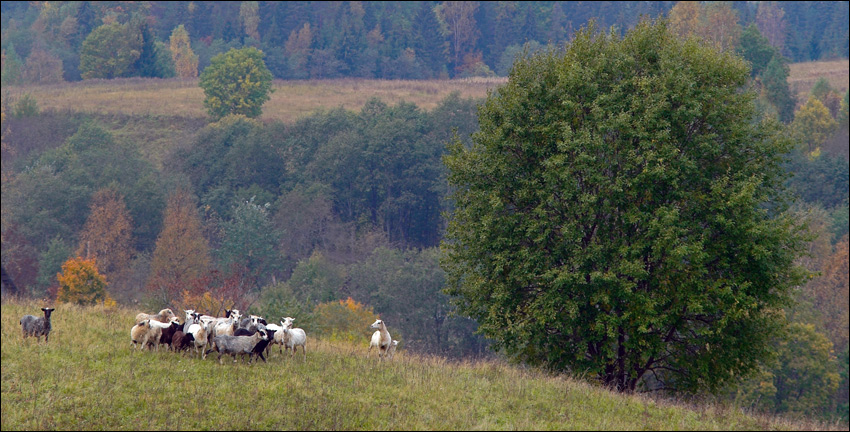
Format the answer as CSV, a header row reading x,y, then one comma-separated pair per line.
x,y
47,311
166,313
236,315
287,322
377,324
269,334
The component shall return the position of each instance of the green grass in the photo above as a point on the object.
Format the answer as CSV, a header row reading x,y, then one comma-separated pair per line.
x,y
88,377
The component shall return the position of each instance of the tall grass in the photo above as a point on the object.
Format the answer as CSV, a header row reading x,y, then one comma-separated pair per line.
x,y
803,76
88,377
290,100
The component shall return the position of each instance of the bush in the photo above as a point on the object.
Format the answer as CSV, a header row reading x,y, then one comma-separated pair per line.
x,y
346,320
26,107
81,283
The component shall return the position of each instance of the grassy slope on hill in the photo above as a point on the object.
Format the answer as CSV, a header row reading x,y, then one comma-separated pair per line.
x,y
88,377
290,100
803,76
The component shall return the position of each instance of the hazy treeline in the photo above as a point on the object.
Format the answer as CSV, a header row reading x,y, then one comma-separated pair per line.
x,y
49,41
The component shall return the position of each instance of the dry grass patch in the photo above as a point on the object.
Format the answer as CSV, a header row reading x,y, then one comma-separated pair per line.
x,y
803,76
290,101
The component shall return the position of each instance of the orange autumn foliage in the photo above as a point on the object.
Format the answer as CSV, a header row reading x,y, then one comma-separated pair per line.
x,y
81,283
181,254
107,234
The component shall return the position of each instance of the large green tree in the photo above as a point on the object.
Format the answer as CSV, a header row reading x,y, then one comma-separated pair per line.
x,y
110,51
621,214
236,82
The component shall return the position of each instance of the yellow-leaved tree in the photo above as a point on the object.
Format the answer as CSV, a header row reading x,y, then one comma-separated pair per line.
x,y
81,283
812,125
716,23
185,60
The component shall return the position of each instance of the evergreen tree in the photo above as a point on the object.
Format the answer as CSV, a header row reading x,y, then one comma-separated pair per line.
x,y
428,41
147,65
756,49
775,80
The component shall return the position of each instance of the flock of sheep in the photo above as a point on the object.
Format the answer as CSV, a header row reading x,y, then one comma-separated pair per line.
x,y
231,334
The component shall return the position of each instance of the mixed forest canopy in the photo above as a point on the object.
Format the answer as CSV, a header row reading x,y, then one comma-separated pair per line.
x,y
337,218
329,39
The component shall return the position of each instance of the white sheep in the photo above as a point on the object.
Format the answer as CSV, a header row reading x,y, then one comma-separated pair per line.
x,y
380,339
278,336
148,332
163,316
190,319
293,338
199,333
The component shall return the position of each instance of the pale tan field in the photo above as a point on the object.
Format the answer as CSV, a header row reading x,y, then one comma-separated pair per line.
x,y
295,99
803,76
290,100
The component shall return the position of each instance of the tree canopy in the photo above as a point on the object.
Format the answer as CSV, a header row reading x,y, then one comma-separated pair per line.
x,y
236,82
620,213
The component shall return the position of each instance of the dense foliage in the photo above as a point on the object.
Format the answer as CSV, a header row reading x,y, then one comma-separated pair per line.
x,y
390,40
236,83
610,216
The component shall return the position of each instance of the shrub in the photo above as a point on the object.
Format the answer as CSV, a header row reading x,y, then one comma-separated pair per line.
x,y
81,283
346,320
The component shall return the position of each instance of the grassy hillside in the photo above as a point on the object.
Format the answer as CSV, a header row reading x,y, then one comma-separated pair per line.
x,y
290,100
88,377
803,76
